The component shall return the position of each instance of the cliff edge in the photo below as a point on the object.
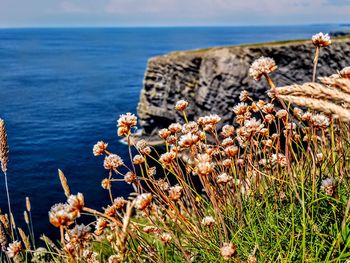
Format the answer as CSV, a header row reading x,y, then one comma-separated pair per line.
x,y
212,79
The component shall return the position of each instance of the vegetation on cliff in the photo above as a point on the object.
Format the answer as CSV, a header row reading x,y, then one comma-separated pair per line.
x,y
272,186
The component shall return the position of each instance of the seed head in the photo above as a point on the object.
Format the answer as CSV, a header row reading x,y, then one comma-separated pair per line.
x,y
99,148
181,105
175,192
224,178
61,215
76,202
329,186
142,201
106,184
112,162
227,251
262,66
321,40
129,177
208,221
14,249
4,148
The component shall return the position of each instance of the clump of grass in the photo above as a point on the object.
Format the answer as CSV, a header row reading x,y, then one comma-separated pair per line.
x,y
273,186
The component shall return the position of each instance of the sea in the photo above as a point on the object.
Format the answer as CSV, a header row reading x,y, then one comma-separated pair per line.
x,y
63,89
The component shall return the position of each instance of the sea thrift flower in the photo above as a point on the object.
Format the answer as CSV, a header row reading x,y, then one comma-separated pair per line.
x,y
278,159
321,40
106,183
61,215
143,147
167,158
191,127
204,166
231,151
175,192
125,123
329,186
320,121
269,118
163,185
129,177
227,142
208,221
241,108
297,112
181,105
224,178
142,201
227,131
345,73
227,251
112,162
99,148
262,66
164,133
244,95
188,140
76,202
175,127
151,229
101,224
119,202
78,234
306,116
138,159
281,114
14,249
166,238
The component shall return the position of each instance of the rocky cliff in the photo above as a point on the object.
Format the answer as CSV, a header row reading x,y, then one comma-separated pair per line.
x,y
212,79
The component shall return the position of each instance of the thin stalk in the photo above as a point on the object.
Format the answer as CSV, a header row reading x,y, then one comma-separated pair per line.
x,y
9,205
317,54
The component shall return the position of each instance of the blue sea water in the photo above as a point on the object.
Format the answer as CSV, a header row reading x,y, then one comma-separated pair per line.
x,y
62,90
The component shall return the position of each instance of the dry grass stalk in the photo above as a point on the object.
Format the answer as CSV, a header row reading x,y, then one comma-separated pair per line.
x,y
64,183
4,148
3,237
316,91
320,105
28,205
24,238
342,84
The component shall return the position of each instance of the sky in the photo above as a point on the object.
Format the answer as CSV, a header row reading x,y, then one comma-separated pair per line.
x,y
73,13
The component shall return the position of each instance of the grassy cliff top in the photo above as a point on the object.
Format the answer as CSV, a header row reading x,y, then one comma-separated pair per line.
x,y
255,45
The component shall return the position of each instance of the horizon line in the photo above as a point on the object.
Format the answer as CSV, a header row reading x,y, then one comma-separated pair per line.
x,y
165,26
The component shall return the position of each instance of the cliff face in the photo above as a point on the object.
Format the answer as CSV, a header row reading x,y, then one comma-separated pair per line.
x,y
211,80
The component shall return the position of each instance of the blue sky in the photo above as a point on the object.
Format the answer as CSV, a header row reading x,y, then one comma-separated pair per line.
x,y
43,13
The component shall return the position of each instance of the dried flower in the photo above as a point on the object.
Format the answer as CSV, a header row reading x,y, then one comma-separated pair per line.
x,y
142,201
175,192
175,127
166,238
78,234
127,120
241,108
204,166
99,148
188,140
319,121
143,147
4,148
244,95
119,202
101,224
262,66
231,151
163,185
345,73
224,178
208,221
329,186
14,249
227,251
112,161
129,177
191,127
61,215
138,159
106,183
167,158
321,40
164,133
278,159
227,131
181,105
76,202
282,114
